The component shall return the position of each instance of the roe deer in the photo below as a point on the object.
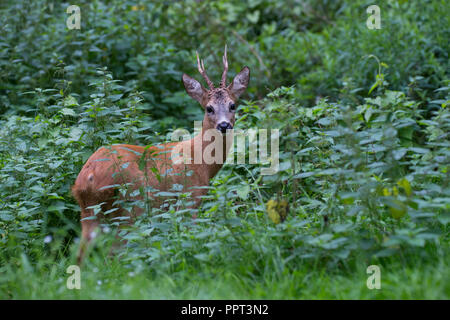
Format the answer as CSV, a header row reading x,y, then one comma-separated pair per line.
x,y
95,183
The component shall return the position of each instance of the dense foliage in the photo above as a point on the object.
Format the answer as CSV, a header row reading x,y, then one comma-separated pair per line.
x,y
364,146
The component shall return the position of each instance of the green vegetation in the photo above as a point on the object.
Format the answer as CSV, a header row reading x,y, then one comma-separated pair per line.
x,y
364,148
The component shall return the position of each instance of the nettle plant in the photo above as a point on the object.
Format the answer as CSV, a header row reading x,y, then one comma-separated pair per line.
x,y
354,178
43,154
352,174
372,176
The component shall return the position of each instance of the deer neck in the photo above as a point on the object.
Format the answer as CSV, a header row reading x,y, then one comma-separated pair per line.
x,y
208,142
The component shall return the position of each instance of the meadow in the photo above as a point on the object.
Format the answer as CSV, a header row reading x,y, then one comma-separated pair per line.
x,y
364,153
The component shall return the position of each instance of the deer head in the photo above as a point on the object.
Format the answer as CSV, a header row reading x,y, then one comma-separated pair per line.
x,y
219,103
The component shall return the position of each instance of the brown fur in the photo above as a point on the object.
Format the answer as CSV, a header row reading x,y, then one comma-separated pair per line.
x,y
106,166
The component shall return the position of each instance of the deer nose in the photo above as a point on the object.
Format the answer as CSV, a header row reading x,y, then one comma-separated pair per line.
x,y
223,126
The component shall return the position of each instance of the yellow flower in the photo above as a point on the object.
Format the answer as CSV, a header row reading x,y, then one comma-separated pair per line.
x,y
277,210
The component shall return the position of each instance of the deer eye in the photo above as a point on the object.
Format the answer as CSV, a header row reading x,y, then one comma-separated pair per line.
x,y
210,109
232,107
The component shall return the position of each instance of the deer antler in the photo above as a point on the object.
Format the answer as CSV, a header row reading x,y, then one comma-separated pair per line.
x,y
223,82
201,69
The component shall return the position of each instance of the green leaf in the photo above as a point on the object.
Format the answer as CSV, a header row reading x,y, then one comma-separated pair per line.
x,y
68,112
243,192
201,257
70,101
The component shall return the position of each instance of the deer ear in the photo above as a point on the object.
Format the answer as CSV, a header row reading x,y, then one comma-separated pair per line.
x,y
194,88
240,82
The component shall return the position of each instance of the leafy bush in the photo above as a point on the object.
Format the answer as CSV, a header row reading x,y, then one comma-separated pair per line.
x,y
319,45
364,141
356,178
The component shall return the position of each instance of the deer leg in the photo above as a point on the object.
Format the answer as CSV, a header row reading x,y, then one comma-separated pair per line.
x,y
88,233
